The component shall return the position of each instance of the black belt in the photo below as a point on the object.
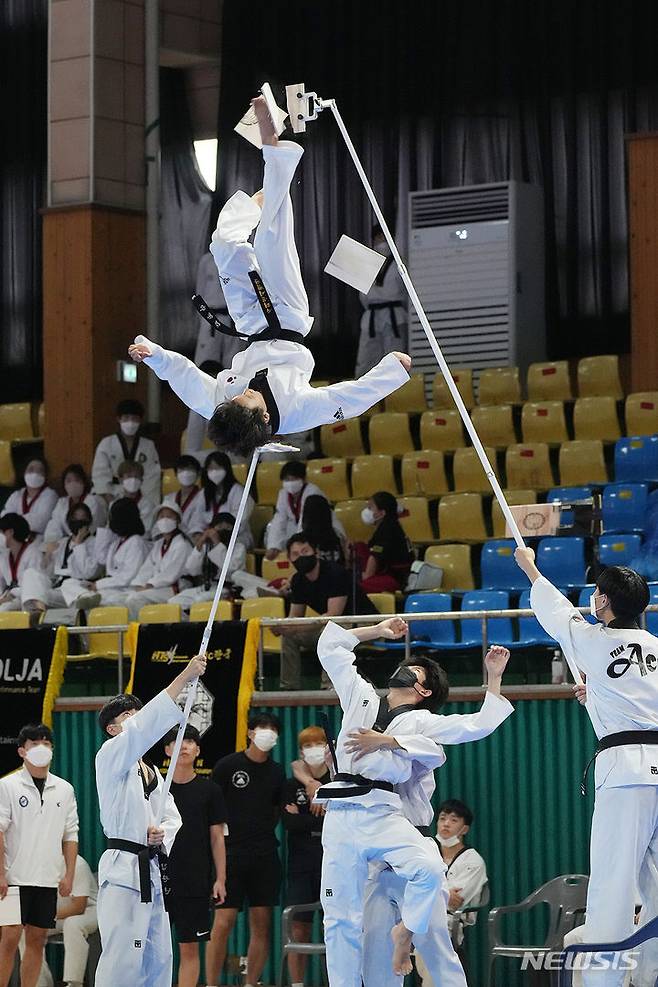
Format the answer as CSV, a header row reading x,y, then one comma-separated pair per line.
x,y
360,786
377,307
145,854
622,739
273,331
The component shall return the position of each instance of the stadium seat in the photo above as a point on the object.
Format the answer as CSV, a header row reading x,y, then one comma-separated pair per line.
x,y
7,472
461,518
169,482
549,381
641,413
528,467
625,507
596,418
581,462
599,376
618,549
268,482
348,512
584,600
330,475
40,419
544,421
442,429
261,516
562,495
424,473
414,516
104,644
278,568
265,606
499,385
342,439
494,424
390,433
562,560
201,611
455,560
16,421
240,471
383,602
14,620
499,570
652,618
499,629
468,470
531,633
159,613
636,459
514,498
371,474
463,378
426,633
410,397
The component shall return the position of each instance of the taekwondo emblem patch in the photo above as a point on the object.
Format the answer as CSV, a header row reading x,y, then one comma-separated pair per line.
x,y
339,415
23,801
240,779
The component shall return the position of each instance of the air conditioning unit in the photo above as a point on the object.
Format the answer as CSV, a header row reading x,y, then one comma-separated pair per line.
x,y
476,257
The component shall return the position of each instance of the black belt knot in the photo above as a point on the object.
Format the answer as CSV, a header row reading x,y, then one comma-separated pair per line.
x,y
145,854
360,786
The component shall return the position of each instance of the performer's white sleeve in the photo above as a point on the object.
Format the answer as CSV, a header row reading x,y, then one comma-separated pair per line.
x,y
336,653
171,822
198,390
139,733
461,728
423,750
577,637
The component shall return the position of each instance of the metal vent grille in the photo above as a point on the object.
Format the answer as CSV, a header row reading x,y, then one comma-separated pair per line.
x,y
470,204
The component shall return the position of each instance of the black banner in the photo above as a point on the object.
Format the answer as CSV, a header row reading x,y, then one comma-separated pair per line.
x,y
221,706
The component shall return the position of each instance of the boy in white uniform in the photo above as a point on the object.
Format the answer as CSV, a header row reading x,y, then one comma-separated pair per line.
x,y
266,391
621,664
126,444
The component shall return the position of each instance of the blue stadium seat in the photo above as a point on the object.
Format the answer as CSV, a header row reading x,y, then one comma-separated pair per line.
x,y
618,549
583,601
562,560
499,570
530,630
625,507
499,629
426,633
566,494
636,459
652,618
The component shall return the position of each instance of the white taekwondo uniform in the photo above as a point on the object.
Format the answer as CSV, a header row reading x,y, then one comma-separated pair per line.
x,y
161,571
287,518
384,321
13,570
118,448
284,367
54,583
194,568
229,506
37,511
58,528
191,510
621,664
135,934
122,558
385,890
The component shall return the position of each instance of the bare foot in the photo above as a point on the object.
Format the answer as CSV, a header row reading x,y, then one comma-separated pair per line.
x,y
258,198
265,122
401,950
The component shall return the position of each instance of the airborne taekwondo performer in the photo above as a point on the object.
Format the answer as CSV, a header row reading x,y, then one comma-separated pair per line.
x,y
132,917
266,391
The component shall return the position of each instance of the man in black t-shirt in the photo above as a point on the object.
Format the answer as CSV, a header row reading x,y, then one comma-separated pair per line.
x,y
252,784
327,588
197,863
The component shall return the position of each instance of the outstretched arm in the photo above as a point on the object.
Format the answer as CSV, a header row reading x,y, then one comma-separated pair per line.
x,y
198,390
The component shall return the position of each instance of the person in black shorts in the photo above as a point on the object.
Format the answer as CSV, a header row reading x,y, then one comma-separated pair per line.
x,y
252,784
197,863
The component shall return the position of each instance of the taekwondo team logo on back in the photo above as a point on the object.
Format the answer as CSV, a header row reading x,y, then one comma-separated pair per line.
x,y
240,779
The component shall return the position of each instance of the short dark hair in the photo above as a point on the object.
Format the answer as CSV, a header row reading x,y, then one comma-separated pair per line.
x,y
294,468
264,720
627,591
124,518
185,461
386,502
75,469
242,430
18,525
436,679
457,808
191,733
129,406
115,707
34,731
78,508
224,517
302,538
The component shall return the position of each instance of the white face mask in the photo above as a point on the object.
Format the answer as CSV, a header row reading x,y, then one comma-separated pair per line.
x,y
129,428
74,488
166,525
34,480
39,756
367,515
131,484
216,476
3,540
592,605
314,755
186,477
265,739
292,486
448,841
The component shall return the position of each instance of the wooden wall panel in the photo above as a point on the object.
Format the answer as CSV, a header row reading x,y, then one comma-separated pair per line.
x,y
642,152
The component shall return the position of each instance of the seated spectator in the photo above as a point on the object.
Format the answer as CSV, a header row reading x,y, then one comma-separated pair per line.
x,y
189,499
390,551
36,500
19,552
325,587
126,444
204,562
131,476
222,494
289,506
77,490
160,572
73,559
320,522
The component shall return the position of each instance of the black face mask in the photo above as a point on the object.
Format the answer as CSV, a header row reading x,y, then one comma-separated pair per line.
x,y
77,524
402,678
305,564
224,537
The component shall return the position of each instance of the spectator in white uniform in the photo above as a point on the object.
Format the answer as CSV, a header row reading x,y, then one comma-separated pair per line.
x,y
77,490
127,443
289,508
222,494
73,558
18,552
36,500
205,560
131,477
188,499
384,320
160,572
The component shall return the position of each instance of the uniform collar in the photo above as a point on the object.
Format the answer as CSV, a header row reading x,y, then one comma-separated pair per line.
x,y
27,778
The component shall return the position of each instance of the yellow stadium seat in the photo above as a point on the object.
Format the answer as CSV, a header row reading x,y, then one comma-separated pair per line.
x,y
455,560
424,473
319,383
348,512
599,376
642,413
261,516
596,418
105,645
513,498
278,568
159,613
268,480
582,462
544,421
16,421
468,471
201,611
414,516
499,385
390,432
549,381
371,474
240,471
494,424
342,439
7,472
169,481
384,602
410,397
250,564
265,606
330,475
206,444
463,378
441,429
461,518
528,467
40,419
14,620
